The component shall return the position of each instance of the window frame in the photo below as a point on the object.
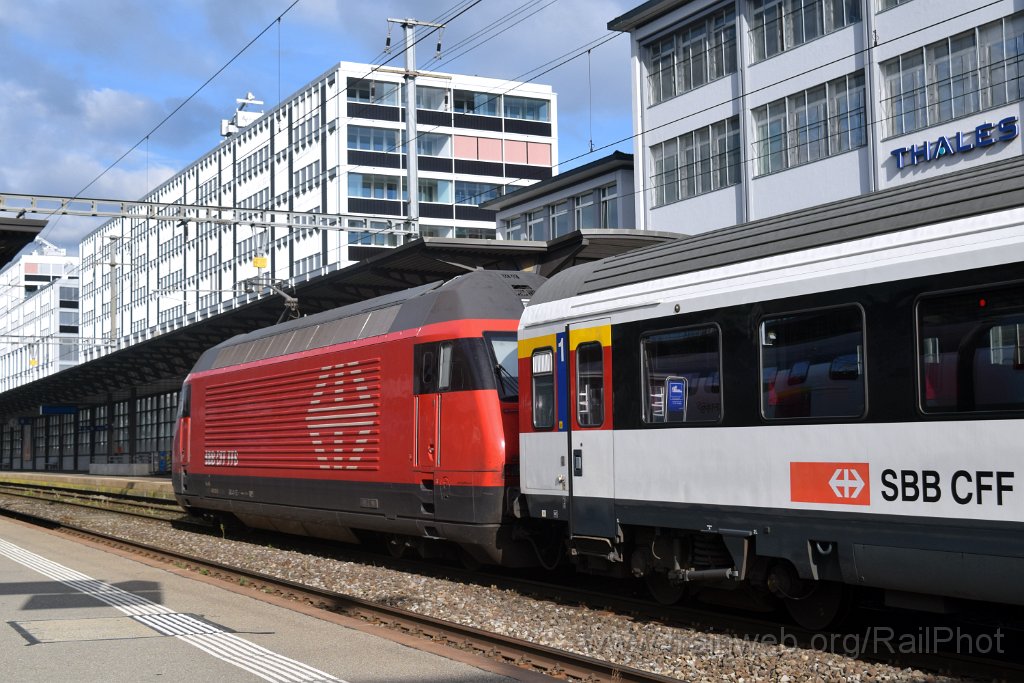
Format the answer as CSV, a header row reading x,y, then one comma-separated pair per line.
x,y
711,29
550,351
698,157
919,354
789,143
760,320
962,101
645,418
577,377
788,20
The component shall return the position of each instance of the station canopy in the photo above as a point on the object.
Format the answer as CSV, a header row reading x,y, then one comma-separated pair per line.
x,y
15,235
161,363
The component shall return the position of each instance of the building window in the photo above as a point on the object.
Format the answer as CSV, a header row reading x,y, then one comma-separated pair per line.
x,y
306,174
474,233
609,207
536,226
431,98
812,364
889,4
584,211
780,25
433,145
435,231
308,264
697,162
681,375
560,224
437,191
373,139
480,103
307,128
374,92
687,58
257,200
69,350
526,108
954,77
467,192
515,228
533,153
810,125
482,149
370,186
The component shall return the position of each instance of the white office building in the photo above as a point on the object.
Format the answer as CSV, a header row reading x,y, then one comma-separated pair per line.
x,y
746,109
39,316
334,147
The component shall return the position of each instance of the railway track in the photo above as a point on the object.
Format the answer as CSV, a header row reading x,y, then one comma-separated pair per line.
x,y
128,504
520,653
537,657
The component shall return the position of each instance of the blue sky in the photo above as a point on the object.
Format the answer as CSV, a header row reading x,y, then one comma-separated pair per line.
x,y
83,82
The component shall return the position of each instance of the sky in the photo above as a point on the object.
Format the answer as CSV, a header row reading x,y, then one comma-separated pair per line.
x,y
84,84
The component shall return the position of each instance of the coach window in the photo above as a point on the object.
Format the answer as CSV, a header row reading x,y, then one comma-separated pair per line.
x,y
812,364
589,385
543,389
971,350
681,375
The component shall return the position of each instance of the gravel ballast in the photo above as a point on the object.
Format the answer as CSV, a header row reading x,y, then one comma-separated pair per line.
x,y
685,653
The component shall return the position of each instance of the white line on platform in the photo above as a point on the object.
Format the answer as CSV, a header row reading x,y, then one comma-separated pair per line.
x,y
225,646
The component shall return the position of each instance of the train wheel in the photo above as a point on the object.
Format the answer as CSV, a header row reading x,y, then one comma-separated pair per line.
x,y
397,546
822,607
664,591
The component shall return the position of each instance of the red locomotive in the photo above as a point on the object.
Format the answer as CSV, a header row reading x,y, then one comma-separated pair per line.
x,y
396,416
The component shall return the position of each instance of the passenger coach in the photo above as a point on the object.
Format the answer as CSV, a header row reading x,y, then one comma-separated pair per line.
x,y
829,399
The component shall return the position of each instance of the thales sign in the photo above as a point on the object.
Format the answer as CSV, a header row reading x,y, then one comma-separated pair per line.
x,y
984,135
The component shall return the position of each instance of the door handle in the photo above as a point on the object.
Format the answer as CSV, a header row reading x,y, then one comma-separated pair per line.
x,y
577,462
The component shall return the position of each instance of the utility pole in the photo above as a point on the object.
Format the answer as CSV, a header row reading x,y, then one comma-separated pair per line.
x,y
412,163
113,290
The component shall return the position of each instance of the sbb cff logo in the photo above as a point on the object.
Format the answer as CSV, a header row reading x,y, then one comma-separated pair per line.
x,y
838,483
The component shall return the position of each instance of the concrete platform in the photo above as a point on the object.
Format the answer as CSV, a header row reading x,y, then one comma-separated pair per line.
x,y
158,487
70,611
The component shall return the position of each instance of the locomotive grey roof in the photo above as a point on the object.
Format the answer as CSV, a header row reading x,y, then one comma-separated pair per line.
x,y
479,294
993,187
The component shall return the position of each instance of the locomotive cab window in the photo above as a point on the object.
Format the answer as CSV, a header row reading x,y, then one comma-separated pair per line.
x,y
971,351
812,364
452,365
589,385
185,402
505,350
681,376
543,384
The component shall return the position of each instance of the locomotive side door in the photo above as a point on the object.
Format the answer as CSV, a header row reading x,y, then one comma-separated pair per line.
x,y
591,452
427,419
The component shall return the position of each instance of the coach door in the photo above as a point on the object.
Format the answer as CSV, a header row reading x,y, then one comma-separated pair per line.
x,y
591,461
